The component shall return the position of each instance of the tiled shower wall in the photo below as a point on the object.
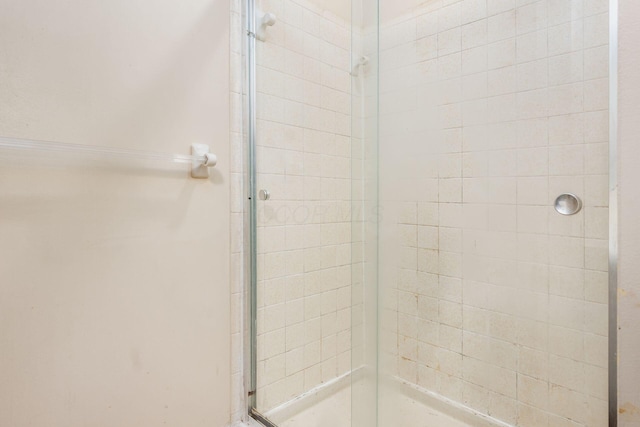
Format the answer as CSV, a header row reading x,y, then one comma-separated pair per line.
x,y
304,229
489,110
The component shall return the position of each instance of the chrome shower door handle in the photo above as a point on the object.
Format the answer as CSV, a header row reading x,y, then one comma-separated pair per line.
x,y
264,194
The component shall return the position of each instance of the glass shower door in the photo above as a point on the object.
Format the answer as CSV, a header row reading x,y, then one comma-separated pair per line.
x,y
433,226
303,208
493,237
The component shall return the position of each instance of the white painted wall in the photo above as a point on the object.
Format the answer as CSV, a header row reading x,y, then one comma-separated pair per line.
x,y
114,279
629,231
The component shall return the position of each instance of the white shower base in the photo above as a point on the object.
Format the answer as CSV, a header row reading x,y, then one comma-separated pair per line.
x,y
405,405
335,411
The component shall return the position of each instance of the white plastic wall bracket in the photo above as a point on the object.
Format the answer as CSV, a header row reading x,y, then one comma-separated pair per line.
x,y
264,20
199,169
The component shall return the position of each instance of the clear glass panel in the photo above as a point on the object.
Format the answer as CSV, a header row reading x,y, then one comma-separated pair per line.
x,y
413,266
491,302
304,225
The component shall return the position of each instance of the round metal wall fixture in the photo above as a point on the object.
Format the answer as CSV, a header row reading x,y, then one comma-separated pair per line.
x,y
568,204
264,195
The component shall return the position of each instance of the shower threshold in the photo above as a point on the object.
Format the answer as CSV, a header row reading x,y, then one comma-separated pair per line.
x,y
400,405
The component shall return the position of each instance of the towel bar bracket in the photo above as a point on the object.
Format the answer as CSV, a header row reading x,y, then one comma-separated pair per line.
x,y
199,169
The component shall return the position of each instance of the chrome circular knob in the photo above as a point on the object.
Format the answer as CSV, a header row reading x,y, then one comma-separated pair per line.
x,y
568,204
264,194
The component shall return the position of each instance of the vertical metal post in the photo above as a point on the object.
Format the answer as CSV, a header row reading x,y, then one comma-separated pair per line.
x,y
613,213
250,54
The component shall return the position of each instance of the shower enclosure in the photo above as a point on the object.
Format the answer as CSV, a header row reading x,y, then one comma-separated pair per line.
x,y
428,212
